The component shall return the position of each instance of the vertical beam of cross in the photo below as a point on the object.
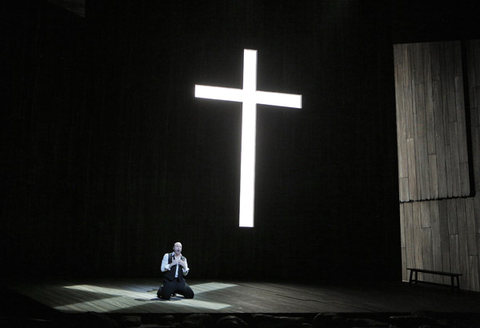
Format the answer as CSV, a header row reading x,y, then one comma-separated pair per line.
x,y
249,97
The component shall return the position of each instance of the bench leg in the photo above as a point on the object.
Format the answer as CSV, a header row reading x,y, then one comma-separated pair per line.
x,y
411,274
416,277
458,282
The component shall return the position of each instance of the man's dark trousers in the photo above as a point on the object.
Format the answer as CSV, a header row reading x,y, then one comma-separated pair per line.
x,y
177,285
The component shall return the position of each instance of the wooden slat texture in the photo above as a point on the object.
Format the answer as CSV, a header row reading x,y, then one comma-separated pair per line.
x,y
444,237
403,242
405,276
409,239
474,277
431,121
425,216
476,206
439,138
403,186
428,94
454,256
436,240
412,175
418,237
440,224
433,165
452,216
427,256
449,171
476,155
402,225
138,296
462,238
401,121
471,227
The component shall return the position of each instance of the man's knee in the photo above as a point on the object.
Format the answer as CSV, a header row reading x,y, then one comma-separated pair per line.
x,y
159,292
189,293
164,293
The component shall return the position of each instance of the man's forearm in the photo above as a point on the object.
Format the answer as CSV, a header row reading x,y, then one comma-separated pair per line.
x,y
165,267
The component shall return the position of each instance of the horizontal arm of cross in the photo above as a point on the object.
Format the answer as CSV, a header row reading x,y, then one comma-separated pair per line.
x,y
258,97
218,93
278,99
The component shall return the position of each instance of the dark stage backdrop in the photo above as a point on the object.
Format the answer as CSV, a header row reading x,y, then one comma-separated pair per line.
x,y
110,159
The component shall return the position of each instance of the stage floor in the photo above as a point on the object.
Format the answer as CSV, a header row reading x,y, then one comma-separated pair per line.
x,y
136,296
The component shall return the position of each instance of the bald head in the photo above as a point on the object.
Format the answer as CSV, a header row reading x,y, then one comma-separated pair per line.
x,y
177,248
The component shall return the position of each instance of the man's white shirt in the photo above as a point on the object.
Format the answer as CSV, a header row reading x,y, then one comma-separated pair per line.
x,y
166,267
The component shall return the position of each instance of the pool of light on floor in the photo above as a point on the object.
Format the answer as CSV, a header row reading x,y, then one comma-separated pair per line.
x,y
114,299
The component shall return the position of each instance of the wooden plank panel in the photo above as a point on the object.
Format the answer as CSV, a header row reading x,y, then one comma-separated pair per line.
x,y
416,51
436,239
427,252
443,95
454,160
449,81
462,124
403,186
444,237
454,254
432,160
476,205
462,238
408,94
426,237
476,50
425,214
474,281
464,179
401,122
440,139
436,51
475,110
429,114
452,216
412,175
449,170
478,243
421,153
476,62
402,225
476,156
409,235
471,226
417,235
405,276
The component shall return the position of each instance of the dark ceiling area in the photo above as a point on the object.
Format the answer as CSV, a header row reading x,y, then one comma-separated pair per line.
x,y
424,21
412,21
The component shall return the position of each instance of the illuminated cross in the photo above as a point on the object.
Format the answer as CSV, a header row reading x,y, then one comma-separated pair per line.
x,y
249,97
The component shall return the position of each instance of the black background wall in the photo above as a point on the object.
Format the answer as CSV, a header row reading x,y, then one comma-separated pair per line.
x,y
109,159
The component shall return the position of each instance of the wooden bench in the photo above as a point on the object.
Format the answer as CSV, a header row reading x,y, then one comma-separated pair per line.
x,y
453,276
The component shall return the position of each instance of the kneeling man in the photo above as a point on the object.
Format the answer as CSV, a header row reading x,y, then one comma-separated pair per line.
x,y
174,268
